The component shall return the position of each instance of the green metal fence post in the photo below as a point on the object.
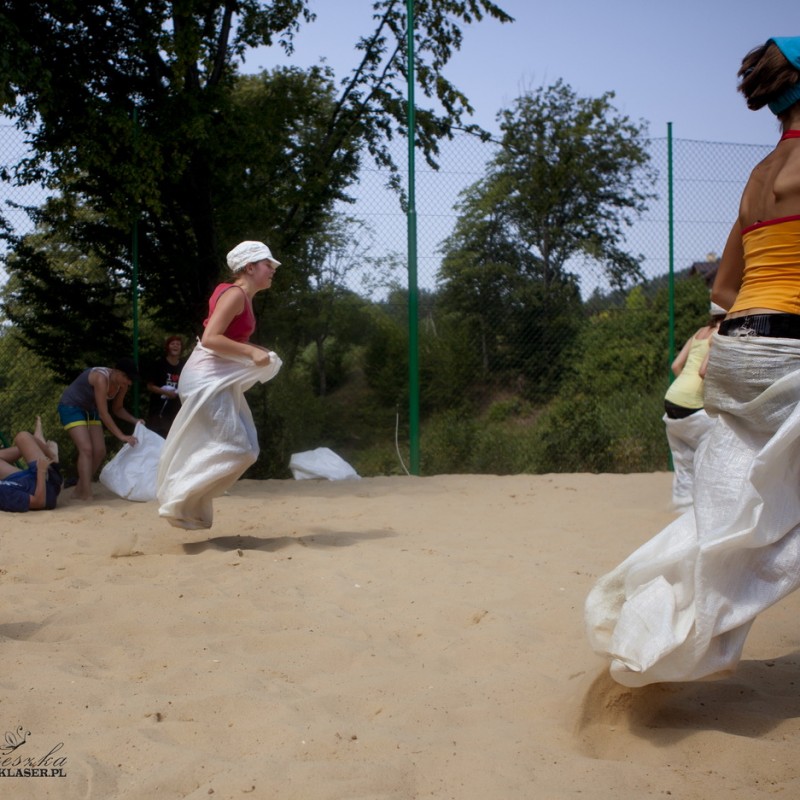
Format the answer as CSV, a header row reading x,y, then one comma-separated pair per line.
x,y
671,250
135,269
413,302
671,216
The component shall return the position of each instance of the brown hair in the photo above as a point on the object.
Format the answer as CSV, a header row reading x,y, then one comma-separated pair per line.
x,y
765,75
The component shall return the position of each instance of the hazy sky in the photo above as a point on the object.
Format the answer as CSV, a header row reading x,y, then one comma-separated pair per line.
x,y
666,62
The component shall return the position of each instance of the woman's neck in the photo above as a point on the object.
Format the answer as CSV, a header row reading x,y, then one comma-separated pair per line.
x,y
246,285
791,122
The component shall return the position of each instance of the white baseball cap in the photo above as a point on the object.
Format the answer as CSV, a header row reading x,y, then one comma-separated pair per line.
x,y
248,252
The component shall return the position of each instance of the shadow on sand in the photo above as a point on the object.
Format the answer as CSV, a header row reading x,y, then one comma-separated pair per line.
x,y
751,702
270,544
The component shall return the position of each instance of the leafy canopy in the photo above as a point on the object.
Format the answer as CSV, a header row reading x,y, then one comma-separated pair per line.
x,y
134,108
569,176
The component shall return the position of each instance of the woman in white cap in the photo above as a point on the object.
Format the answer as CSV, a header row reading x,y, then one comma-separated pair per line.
x,y
213,439
680,607
686,421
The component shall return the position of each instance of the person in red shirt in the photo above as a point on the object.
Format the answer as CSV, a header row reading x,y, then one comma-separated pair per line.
x,y
213,439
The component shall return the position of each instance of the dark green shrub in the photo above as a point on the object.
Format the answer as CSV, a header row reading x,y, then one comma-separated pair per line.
x,y
570,437
446,443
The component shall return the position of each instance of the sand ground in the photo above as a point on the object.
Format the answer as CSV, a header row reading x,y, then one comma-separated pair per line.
x,y
380,639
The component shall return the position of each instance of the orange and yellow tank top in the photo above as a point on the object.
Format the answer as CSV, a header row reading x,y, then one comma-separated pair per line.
x,y
771,266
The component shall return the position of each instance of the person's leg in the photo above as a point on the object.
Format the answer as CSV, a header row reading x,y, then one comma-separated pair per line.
x,y
83,444
98,446
49,446
31,448
9,454
38,433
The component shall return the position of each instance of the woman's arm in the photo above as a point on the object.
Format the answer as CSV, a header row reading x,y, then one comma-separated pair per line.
x,y
230,303
162,391
119,410
680,360
100,383
731,269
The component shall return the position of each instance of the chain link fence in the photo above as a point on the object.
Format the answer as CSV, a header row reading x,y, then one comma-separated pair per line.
x,y
498,431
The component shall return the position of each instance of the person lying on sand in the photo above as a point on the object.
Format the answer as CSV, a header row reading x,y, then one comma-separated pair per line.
x,y
38,485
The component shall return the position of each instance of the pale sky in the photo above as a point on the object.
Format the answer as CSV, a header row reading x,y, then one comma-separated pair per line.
x,y
666,62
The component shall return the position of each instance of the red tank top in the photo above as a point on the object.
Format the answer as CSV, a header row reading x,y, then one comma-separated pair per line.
x,y
242,325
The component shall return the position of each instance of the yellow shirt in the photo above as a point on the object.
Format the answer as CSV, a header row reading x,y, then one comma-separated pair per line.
x,y
686,390
771,266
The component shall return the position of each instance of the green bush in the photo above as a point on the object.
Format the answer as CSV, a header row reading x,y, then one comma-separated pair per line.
x,y
570,437
446,443
503,448
508,408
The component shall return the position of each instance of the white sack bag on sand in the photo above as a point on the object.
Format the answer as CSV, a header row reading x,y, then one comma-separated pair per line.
x,y
321,463
132,472
213,440
685,436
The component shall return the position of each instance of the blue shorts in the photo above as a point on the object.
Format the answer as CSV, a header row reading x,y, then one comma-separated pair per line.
x,y
72,416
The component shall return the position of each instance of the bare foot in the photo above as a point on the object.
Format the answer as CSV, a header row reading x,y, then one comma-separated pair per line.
x,y
53,448
38,435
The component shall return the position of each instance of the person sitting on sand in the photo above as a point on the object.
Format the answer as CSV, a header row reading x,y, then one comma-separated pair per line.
x,y
38,485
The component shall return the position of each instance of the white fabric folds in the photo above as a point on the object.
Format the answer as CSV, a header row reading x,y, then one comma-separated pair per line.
x,y
132,472
685,436
680,607
321,463
213,439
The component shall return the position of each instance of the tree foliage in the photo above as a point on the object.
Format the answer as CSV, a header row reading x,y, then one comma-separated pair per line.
x,y
607,414
563,185
571,175
148,125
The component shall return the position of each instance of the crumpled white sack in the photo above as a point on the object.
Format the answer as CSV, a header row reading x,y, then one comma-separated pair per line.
x,y
321,463
213,440
132,472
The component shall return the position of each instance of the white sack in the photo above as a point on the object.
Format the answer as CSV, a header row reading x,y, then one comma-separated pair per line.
x,y
680,607
213,438
685,437
132,472
320,463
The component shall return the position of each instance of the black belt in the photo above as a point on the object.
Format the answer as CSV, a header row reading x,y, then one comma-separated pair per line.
x,y
778,326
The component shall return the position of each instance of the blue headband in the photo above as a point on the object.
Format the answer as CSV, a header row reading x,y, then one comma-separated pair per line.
x,y
790,47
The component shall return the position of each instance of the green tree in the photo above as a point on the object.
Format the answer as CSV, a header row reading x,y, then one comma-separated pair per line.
x,y
145,126
323,302
607,415
479,275
569,175
55,272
